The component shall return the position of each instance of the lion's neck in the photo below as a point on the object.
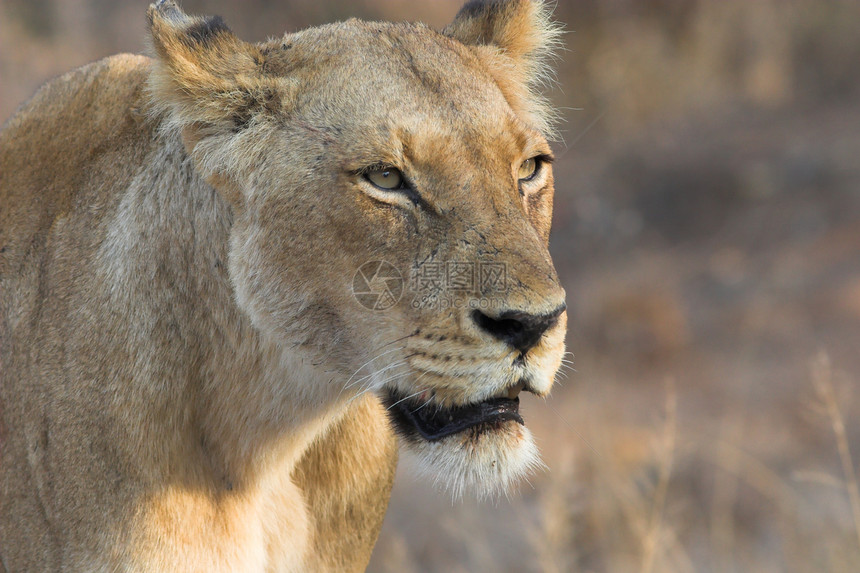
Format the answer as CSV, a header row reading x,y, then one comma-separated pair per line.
x,y
266,404
220,416
258,403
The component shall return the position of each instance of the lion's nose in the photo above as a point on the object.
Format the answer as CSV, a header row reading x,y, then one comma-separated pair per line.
x,y
519,329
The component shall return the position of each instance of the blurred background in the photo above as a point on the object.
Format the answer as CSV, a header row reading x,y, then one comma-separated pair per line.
x,y
707,230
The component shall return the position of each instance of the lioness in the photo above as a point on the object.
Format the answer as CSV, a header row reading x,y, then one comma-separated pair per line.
x,y
189,379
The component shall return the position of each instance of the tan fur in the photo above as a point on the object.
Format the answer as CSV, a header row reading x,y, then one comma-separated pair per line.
x,y
186,380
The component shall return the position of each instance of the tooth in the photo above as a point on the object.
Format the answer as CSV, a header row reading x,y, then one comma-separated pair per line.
x,y
514,391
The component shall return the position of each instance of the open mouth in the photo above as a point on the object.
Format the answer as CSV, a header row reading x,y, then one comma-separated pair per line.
x,y
432,422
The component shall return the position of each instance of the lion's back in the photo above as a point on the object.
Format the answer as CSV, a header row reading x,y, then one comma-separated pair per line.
x,y
58,153
63,158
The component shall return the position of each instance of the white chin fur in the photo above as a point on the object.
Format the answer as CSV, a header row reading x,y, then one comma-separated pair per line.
x,y
486,466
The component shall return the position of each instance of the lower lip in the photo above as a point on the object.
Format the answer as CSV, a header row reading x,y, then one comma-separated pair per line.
x,y
413,418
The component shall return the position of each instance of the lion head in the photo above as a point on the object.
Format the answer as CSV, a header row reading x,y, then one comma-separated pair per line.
x,y
392,195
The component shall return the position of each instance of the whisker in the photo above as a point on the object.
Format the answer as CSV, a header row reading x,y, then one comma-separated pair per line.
x,y
398,340
417,380
358,395
372,374
346,384
382,383
370,383
407,397
430,399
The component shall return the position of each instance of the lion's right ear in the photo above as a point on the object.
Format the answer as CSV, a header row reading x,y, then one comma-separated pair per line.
x,y
204,74
516,39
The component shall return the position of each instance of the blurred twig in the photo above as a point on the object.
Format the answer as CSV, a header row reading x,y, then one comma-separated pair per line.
x,y
652,539
822,378
572,429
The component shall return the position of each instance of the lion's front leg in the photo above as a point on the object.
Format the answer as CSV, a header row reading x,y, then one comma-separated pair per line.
x,y
346,478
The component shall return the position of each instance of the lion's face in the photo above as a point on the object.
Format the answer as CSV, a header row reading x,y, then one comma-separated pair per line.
x,y
393,201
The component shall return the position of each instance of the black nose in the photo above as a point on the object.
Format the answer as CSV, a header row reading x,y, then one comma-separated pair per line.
x,y
519,329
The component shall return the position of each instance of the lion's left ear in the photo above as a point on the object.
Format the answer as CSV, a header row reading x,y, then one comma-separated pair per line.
x,y
212,88
204,74
516,39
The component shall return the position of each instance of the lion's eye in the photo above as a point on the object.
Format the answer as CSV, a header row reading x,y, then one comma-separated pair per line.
x,y
387,178
528,169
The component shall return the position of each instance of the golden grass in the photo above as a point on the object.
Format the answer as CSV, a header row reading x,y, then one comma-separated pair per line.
x,y
665,496
822,378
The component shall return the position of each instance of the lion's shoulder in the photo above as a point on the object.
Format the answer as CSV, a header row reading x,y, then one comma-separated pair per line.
x,y
105,86
53,149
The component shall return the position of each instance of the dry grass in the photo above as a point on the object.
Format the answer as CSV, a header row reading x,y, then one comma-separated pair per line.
x,y
653,542
822,377
656,496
